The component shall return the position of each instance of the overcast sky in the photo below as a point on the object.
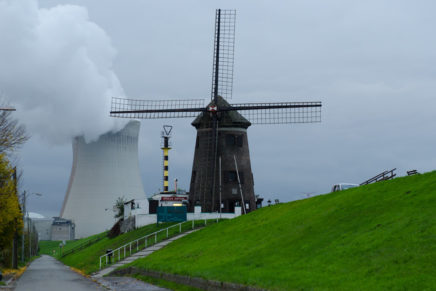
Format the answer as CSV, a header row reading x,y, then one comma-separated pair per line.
x,y
371,63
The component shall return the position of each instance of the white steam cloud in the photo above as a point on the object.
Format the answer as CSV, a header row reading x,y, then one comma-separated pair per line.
x,y
56,69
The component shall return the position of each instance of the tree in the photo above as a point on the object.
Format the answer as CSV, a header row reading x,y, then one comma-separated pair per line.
x,y
119,207
12,134
11,217
119,213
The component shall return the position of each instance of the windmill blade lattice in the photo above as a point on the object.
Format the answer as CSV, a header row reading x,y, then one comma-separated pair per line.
x,y
223,55
154,109
279,112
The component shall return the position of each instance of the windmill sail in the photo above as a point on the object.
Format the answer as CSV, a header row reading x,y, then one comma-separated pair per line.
x,y
223,55
280,112
154,109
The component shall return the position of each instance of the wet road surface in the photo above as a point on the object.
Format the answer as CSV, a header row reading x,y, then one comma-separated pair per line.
x,y
48,274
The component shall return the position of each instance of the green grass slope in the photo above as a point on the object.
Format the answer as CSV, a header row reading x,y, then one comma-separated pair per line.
x,y
87,259
379,236
48,246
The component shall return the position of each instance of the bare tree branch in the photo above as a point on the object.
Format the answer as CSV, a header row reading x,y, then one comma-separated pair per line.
x,y
12,134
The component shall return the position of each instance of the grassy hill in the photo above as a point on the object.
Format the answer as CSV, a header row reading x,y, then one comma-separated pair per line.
x,y
379,236
87,259
51,247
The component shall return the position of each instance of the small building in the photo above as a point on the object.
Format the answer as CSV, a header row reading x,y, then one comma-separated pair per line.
x,y
170,198
62,229
135,206
259,201
39,223
43,227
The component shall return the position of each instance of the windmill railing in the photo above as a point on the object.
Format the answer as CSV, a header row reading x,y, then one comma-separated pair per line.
x,y
134,246
386,175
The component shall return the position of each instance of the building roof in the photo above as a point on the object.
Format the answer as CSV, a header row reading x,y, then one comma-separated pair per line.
x,y
34,215
225,119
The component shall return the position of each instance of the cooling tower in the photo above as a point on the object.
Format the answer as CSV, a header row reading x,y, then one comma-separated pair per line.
x,y
102,171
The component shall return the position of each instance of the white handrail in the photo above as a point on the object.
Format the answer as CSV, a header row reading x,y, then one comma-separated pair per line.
x,y
129,244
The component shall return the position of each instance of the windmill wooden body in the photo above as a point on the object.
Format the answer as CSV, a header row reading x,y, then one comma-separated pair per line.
x,y
221,173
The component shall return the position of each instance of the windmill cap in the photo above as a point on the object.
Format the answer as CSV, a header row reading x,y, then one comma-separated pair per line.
x,y
226,119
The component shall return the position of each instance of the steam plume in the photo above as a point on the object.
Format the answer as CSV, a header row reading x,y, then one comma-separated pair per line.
x,y
56,69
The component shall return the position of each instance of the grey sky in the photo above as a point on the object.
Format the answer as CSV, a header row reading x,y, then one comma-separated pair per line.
x,y
371,63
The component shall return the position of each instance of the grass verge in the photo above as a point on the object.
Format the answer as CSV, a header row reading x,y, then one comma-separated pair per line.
x,y
52,247
87,259
379,236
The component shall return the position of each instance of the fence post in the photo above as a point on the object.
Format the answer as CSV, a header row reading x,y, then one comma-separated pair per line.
x,y
180,228
192,224
167,232
119,250
155,237
137,245
130,246
106,259
124,251
100,263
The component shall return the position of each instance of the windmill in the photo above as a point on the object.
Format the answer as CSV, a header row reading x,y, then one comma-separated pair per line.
x,y
221,173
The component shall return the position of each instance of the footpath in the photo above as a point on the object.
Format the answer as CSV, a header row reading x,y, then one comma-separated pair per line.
x,y
48,274
141,254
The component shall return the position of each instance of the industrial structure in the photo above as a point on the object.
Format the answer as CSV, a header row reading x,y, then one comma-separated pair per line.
x,y
103,171
166,134
54,228
221,174
62,229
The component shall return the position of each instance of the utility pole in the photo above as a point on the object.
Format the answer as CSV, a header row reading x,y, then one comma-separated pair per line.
x,y
15,241
24,217
29,237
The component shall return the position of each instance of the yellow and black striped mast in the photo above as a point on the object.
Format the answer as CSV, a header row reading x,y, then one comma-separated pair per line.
x,y
166,147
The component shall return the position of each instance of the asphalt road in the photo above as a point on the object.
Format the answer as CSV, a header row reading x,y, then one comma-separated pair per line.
x,y
48,274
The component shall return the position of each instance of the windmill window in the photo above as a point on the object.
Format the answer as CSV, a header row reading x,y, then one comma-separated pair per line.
x,y
239,140
230,140
233,177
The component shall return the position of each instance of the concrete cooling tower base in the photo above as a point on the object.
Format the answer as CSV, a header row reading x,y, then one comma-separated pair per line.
x,y
102,171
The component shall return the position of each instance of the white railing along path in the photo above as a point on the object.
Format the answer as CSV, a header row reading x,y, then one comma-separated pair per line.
x,y
128,246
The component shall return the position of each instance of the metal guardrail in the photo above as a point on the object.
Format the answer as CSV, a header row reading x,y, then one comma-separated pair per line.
x,y
386,175
83,245
149,240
